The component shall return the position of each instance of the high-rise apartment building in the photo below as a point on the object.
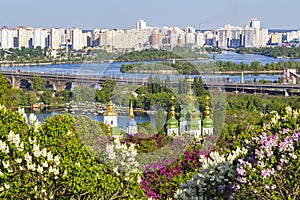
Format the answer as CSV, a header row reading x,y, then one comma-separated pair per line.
x,y
25,37
40,37
141,24
76,38
56,35
7,40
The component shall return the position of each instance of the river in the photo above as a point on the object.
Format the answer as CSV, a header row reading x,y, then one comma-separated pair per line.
x,y
113,69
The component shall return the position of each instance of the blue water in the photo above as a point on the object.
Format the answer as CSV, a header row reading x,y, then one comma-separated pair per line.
x,y
113,69
123,118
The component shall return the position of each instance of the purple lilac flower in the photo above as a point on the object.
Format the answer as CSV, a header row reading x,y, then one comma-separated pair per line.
x,y
221,188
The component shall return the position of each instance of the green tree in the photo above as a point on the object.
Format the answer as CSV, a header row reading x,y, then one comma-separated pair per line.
x,y
160,120
47,97
150,84
105,94
38,84
32,98
4,90
168,82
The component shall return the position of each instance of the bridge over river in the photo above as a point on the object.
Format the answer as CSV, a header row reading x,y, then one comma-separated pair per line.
x,y
62,81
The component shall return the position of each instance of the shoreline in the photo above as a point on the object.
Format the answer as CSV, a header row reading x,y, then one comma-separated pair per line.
x,y
12,64
172,72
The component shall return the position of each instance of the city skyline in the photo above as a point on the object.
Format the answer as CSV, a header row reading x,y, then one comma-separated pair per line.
x,y
123,14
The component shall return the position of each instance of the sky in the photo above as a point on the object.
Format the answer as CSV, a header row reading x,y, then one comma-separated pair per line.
x,y
123,14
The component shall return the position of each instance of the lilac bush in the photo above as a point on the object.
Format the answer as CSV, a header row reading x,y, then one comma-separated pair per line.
x,y
270,170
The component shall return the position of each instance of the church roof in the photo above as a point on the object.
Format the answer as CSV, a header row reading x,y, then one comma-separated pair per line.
x,y
116,131
110,110
172,123
207,122
132,122
186,113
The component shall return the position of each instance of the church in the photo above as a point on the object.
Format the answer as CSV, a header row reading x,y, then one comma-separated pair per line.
x,y
189,121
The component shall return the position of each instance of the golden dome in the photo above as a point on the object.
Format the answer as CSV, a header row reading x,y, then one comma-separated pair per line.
x,y
131,113
207,109
110,111
172,113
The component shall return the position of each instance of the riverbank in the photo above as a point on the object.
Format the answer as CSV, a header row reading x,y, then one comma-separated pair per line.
x,y
12,64
174,72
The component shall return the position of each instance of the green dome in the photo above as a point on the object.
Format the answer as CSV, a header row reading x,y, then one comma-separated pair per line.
x,y
186,113
194,124
116,131
172,123
208,122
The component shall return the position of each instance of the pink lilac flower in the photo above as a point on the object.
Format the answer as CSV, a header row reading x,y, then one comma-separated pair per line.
x,y
241,179
273,187
267,187
278,168
265,173
292,155
285,131
261,163
286,145
241,171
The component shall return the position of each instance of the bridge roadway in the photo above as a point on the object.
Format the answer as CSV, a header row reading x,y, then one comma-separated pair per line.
x,y
272,89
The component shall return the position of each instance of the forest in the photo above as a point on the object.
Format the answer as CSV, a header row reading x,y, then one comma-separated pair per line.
x,y
276,52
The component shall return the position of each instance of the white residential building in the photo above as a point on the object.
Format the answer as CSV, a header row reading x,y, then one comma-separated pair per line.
x,y
7,40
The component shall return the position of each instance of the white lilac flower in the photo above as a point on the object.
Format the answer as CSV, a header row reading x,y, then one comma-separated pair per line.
x,y
65,173
45,164
6,186
1,174
39,169
49,156
51,169
21,147
32,118
18,160
10,136
56,160
36,150
44,152
31,167
5,164
21,111
1,189
28,157
56,171
3,147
